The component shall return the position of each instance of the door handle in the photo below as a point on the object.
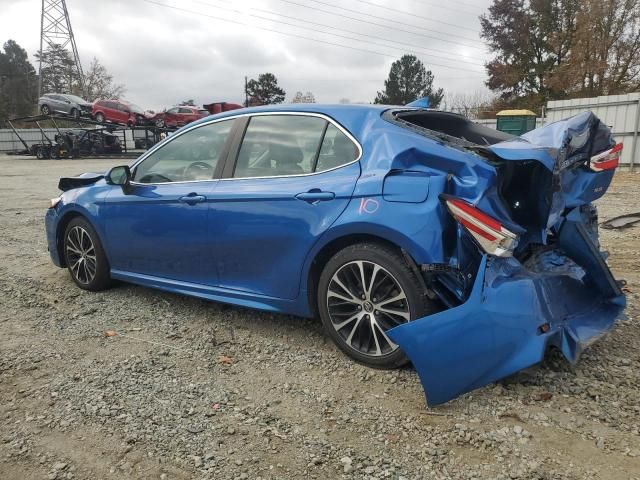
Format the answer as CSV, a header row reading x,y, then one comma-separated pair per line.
x,y
192,199
315,195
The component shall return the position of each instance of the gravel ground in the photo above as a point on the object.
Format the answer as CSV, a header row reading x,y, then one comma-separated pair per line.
x,y
192,389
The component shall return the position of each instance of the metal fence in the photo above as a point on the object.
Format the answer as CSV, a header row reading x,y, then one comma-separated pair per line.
x,y
9,142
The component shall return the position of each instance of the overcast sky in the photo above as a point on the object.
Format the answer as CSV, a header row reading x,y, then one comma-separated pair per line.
x,y
202,49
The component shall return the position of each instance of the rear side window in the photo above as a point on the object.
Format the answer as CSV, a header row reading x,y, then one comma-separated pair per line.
x,y
337,149
281,145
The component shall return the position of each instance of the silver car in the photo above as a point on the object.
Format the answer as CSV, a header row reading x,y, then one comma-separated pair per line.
x,y
71,105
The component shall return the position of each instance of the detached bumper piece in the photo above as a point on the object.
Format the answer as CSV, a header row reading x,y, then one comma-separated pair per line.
x,y
565,297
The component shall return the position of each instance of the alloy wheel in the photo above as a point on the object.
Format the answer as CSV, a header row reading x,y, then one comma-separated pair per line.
x,y
364,300
81,255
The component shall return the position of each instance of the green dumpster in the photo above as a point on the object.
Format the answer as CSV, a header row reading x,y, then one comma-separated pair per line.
x,y
516,122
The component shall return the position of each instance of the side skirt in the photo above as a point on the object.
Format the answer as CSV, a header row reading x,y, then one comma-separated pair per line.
x,y
217,294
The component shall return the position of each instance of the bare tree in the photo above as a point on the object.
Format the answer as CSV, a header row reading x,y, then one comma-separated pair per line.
x,y
98,83
299,97
472,105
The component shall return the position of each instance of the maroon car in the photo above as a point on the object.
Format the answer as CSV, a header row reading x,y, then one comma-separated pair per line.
x,y
113,111
179,116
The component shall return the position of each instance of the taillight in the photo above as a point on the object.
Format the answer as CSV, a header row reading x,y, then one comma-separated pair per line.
x,y
488,232
607,160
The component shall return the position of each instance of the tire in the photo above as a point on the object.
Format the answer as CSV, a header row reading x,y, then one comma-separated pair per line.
x,y
82,251
40,155
75,113
45,110
392,278
99,117
160,123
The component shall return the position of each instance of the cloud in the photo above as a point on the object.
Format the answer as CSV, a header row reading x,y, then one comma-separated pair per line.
x,y
164,55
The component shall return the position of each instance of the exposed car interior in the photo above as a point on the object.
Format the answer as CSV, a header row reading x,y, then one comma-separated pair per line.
x,y
453,125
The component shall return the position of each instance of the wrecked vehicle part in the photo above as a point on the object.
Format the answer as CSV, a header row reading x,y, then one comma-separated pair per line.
x,y
553,289
622,221
69,183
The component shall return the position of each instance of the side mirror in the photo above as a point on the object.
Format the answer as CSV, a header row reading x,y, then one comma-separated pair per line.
x,y
120,175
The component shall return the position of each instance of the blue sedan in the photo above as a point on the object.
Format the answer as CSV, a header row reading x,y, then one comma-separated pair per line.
x,y
415,235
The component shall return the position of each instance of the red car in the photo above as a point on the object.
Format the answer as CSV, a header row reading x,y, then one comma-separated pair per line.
x,y
113,111
179,116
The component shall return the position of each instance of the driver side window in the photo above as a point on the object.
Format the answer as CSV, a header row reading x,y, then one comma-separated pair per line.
x,y
191,156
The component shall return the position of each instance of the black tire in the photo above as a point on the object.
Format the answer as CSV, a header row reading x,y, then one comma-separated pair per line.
x,y
393,268
45,110
160,123
75,240
40,154
99,117
75,113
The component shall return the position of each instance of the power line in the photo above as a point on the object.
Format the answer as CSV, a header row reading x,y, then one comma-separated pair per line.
x,y
390,20
173,7
459,2
391,27
404,12
421,51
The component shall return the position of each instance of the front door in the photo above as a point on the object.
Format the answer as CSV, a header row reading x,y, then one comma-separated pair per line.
x,y
293,177
158,226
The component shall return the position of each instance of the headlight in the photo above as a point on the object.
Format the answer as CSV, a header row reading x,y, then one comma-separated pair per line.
x,y
54,201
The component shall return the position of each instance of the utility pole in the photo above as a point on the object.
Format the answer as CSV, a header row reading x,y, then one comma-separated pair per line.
x,y
55,29
246,94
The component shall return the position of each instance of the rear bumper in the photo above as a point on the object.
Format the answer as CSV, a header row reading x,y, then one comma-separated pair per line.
x,y
51,226
513,314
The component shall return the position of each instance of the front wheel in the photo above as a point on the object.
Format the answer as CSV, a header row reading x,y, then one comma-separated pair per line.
x,y
85,257
99,118
365,290
45,110
75,113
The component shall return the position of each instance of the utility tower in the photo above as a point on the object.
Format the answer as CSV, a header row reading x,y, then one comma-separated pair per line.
x,y
55,29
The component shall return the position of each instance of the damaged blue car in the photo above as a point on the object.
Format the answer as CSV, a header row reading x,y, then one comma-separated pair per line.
x,y
413,234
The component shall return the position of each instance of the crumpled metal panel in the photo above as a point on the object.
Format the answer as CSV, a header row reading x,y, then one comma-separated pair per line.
x,y
564,295
498,330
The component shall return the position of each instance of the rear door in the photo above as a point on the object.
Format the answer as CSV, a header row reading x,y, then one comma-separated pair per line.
x,y
291,178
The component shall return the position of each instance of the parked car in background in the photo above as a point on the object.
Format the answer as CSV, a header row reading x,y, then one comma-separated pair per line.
x,y
97,142
65,104
179,116
143,117
219,107
114,111
413,234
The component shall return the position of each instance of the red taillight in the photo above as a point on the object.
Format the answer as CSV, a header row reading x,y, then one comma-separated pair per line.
x,y
607,160
487,231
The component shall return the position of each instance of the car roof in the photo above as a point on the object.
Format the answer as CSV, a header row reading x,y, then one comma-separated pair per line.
x,y
351,116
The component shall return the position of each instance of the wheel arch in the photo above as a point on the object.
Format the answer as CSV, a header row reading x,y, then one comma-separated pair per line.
x,y
63,222
333,246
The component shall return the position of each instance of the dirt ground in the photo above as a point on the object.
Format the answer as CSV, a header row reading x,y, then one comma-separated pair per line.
x,y
193,389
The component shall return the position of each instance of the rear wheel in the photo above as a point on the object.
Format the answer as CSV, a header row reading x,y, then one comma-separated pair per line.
x,y
99,117
75,113
85,257
44,109
160,123
365,290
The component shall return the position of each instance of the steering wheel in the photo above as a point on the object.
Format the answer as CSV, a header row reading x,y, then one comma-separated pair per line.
x,y
198,169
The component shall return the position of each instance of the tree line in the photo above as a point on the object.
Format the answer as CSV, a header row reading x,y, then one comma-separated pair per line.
x,y
558,49
19,80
